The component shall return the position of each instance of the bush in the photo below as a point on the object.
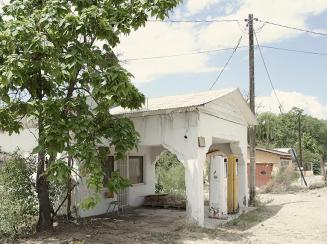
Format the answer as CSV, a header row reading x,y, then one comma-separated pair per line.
x,y
18,206
170,175
282,181
316,168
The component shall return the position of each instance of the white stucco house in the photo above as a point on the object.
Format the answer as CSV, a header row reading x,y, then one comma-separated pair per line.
x,y
190,126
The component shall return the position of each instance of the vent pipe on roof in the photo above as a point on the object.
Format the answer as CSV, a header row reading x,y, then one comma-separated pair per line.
x,y
147,103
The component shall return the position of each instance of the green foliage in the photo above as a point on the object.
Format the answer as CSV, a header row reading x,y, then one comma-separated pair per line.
x,y
59,172
309,159
90,202
276,131
117,182
56,58
18,206
170,175
316,168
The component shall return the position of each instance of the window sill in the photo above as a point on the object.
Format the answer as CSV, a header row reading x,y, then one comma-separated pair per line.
x,y
138,184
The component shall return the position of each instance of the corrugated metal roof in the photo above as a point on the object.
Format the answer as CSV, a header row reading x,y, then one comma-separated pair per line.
x,y
175,102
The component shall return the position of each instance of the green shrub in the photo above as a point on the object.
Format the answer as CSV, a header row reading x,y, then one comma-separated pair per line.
x,y
170,175
316,168
18,206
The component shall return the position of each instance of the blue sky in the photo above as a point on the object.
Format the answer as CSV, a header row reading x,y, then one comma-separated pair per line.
x,y
300,79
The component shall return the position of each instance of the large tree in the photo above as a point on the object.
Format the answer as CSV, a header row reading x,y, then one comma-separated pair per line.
x,y
55,56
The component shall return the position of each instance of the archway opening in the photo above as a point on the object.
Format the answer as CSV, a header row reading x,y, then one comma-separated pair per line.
x,y
170,179
170,175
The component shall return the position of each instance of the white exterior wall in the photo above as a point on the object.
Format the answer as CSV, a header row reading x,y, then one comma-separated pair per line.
x,y
178,133
24,141
136,193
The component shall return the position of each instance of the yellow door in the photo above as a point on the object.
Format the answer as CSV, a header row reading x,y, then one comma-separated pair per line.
x,y
232,185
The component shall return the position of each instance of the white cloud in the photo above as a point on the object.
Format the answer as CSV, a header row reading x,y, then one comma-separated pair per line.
x,y
196,6
309,104
158,39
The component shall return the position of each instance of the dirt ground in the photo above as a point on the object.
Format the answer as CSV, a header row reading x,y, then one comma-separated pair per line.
x,y
286,218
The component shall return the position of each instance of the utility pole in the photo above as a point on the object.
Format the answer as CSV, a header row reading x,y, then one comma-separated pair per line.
x,y
300,162
252,129
323,170
300,139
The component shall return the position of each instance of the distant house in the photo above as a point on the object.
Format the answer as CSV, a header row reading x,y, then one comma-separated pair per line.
x,y
267,163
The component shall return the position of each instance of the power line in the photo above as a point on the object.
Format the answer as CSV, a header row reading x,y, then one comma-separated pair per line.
x,y
194,21
183,54
229,59
221,50
294,50
295,28
269,77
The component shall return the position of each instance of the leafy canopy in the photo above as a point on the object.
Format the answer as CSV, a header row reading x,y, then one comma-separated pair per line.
x,y
276,131
56,58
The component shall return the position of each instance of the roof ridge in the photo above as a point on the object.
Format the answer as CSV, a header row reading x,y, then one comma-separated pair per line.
x,y
177,101
226,90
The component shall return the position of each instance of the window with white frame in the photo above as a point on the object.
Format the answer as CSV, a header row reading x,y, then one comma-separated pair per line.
x,y
108,167
136,169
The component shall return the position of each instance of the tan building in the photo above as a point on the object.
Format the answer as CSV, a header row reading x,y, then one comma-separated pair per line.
x,y
267,162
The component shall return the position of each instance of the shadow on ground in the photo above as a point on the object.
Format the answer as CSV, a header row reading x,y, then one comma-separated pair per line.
x,y
253,218
150,226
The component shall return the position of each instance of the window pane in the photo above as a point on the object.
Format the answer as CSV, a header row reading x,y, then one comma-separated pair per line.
x,y
108,168
136,169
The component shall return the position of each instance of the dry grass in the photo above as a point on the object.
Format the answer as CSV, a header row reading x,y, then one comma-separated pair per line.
x,y
282,182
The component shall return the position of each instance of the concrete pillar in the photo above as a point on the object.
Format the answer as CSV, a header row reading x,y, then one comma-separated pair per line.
x,y
194,188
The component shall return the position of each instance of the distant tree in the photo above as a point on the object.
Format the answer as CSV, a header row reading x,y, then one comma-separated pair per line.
x,y
274,131
56,55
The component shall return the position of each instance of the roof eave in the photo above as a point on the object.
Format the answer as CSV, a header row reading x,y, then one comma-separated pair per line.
x,y
145,113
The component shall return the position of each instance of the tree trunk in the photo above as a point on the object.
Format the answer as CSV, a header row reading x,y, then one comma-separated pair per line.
x,y
69,190
42,187
45,218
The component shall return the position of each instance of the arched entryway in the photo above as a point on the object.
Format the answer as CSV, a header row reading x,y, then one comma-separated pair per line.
x,y
170,175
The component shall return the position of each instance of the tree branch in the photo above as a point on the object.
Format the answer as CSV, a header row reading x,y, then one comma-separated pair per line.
x,y
62,203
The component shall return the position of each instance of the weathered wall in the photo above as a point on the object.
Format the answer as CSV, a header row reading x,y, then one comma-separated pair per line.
x,y
178,133
136,193
220,130
269,158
